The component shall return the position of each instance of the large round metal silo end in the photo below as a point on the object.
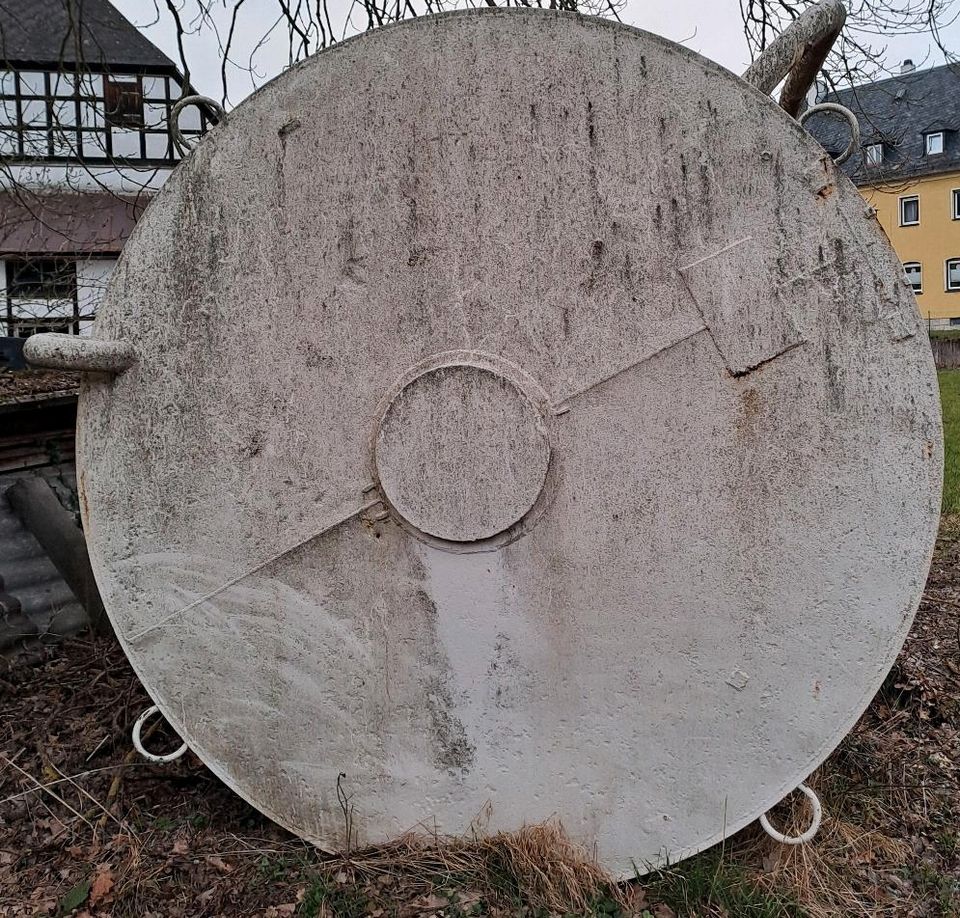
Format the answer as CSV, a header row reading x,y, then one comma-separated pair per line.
x,y
526,412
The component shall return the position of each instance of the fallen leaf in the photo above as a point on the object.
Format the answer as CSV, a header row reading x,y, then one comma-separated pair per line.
x,y
102,884
181,846
219,863
75,897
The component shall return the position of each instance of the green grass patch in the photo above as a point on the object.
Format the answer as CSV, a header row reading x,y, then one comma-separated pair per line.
x,y
950,400
326,895
708,883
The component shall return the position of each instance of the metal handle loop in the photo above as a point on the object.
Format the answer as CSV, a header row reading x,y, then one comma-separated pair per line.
x,y
201,102
798,54
845,112
803,837
138,744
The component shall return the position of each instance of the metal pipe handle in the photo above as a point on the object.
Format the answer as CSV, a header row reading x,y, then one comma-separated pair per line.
x,y
54,351
798,54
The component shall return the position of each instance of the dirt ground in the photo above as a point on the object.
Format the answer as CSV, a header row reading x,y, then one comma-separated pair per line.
x,y
87,828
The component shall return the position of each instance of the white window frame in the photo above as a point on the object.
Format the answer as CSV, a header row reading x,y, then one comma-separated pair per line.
x,y
873,154
946,275
914,264
955,201
926,143
903,200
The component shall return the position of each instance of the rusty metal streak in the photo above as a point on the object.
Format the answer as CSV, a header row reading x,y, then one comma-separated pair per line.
x,y
157,626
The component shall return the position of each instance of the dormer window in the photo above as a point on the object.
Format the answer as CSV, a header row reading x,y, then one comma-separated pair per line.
x,y
933,143
90,117
123,102
873,154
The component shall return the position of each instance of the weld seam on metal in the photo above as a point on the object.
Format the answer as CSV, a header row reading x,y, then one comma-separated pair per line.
x,y
157,626
717,254
561,407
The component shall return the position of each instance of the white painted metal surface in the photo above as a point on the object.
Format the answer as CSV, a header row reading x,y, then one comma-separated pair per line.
x,y
525,411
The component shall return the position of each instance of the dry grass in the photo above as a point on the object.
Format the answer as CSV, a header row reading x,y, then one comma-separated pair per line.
x,y
825,878
86,829
538,866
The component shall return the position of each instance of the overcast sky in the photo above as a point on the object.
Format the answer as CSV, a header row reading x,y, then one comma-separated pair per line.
x,y
711,27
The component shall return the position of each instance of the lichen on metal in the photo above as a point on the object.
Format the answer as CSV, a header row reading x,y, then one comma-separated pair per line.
x,y
525,413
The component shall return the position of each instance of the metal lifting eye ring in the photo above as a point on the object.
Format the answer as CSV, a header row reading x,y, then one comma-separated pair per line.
x,y
811,830
202,102
836,109
138,744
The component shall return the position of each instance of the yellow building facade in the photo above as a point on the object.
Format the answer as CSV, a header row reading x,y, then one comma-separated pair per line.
x,y
907,167
921,217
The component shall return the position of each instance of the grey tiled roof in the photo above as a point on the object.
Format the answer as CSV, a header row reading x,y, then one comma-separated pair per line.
x,y
47,32
897,112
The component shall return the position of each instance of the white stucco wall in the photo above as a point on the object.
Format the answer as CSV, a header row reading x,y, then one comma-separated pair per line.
x,y
48,177
93,274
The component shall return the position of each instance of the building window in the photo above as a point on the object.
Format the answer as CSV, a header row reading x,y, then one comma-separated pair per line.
x,y
90,117
953,274
123,102
910,210
873,154
46,278
933,143
955,194
25,327
41,295
914,274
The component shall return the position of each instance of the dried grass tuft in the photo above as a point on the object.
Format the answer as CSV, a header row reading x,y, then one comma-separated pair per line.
x,y
826,877
538,865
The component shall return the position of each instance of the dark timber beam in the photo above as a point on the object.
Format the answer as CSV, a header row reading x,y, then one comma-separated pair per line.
x,y
34,501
